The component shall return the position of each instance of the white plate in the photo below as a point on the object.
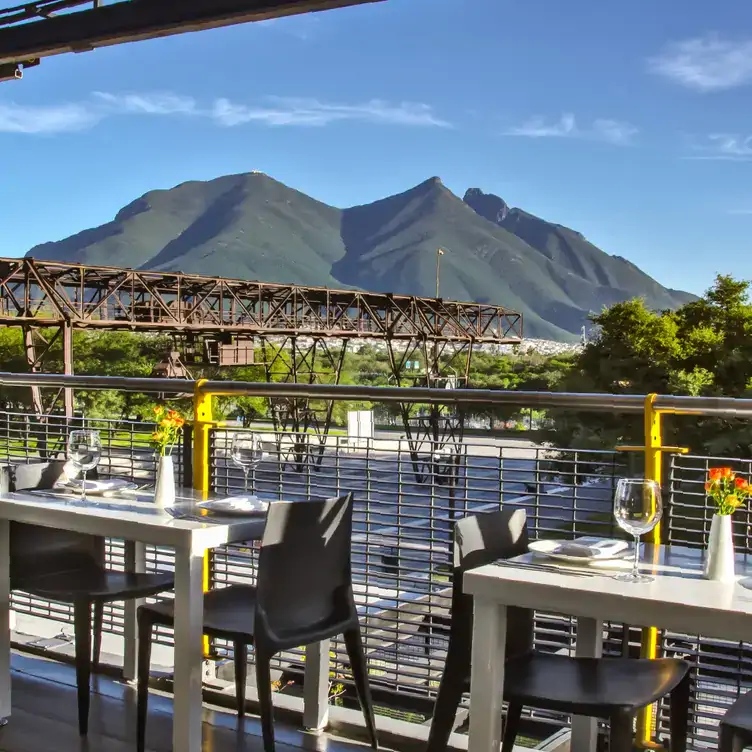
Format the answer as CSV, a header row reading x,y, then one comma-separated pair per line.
x,y
549,548
238,505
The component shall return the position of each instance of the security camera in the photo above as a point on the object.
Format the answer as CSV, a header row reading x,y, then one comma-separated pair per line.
x,y
10,72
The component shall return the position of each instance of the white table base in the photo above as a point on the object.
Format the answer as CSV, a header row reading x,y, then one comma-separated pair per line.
x,y
4,619
589,645
487,677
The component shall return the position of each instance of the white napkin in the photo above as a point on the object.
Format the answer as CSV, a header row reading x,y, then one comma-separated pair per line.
x,y
592,548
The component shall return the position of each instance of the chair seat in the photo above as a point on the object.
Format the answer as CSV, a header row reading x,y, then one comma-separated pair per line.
x,y
581,685
230,610
739,715
96,584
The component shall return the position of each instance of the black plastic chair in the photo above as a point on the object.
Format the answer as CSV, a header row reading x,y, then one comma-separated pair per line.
x,y
303,595
735,732
610,688
69,567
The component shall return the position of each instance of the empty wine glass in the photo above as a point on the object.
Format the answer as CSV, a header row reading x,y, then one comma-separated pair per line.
x,y
637,509
84,451
247,452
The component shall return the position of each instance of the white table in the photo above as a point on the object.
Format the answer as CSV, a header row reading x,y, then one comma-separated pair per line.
x,y
146,524
678,599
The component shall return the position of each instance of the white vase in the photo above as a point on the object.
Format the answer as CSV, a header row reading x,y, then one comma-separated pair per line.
x,y
164,491
719,558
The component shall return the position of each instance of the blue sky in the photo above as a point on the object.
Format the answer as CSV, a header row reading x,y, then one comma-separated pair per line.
x,y
629,122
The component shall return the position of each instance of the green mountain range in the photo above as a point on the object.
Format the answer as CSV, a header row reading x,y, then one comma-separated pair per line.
x,y
251,226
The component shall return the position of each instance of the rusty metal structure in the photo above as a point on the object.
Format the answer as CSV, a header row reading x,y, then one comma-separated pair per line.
x,y
297,334
35,30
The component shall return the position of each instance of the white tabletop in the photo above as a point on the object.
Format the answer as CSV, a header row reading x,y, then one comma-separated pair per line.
x,y
130,518
678,598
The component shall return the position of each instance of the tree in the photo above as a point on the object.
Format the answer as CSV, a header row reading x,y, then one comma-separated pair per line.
x,y
703,348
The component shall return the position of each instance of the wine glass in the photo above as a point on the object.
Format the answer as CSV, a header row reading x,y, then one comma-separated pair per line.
x,y
84,451
247,452
637,509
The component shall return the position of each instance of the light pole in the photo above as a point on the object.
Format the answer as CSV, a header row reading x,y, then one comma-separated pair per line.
x,y
439,253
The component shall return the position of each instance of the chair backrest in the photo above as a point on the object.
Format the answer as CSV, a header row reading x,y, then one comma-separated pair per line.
x,y
36,550
478,540
304,575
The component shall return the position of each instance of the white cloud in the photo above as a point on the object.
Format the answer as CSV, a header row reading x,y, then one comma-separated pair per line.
x,y
729,147
148,104
312,112
15,118
708,63
275,111
610,131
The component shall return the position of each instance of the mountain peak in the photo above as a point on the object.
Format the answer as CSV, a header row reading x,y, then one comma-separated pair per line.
x,y
251,226
488,205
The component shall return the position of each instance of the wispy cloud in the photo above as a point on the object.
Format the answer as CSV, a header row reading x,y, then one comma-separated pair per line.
x,y
273,111
15,118
708,63
727,147
610,131
312,112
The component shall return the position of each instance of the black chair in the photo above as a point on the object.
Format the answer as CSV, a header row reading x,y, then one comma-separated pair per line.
x,y
736,727
610,688
303,595
69,567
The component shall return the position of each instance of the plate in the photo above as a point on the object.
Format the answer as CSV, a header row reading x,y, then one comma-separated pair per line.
x,y
550,549
239,506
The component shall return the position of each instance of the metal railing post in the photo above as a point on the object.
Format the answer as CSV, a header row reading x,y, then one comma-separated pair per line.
x,y
202,423
649,642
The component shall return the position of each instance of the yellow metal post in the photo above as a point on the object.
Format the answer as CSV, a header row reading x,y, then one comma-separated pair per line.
x,y
202,423
653,471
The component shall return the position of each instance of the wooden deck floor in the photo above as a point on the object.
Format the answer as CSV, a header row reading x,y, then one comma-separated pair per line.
x,y
44,719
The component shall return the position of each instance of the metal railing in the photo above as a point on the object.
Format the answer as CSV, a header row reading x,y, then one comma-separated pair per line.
x,y
402,538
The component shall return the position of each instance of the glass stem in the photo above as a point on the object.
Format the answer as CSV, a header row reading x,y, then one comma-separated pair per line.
x,y
636,564
83,487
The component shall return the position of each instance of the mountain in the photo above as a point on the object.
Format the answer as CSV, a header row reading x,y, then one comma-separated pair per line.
x,y
251,226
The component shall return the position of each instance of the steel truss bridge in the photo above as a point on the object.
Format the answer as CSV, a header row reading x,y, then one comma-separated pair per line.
x,y
34,30
301,333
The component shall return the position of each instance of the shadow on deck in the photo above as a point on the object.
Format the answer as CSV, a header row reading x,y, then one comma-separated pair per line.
x,y
44,718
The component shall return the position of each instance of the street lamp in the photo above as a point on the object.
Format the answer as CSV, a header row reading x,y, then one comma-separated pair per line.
x,y
439,253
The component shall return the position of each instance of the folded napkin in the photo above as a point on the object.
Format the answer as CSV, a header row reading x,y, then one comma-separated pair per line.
x,y
592,548
97,486
236,505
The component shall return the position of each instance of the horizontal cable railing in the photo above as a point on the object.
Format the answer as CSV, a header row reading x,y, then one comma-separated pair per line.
x,y
403,519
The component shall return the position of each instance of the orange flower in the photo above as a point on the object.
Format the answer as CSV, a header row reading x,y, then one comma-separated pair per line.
x,y
714,474
708,486
158,409
741,483
727,473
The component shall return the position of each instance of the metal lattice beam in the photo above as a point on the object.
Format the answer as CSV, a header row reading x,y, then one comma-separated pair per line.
x,y
53,27
49,294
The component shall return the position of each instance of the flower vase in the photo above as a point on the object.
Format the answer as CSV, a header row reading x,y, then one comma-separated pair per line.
x,y
164,492
719,557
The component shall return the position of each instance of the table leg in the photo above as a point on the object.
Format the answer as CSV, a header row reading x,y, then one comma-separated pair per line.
x,y
187,720
4,621
589,645
135,561
487,675
316,694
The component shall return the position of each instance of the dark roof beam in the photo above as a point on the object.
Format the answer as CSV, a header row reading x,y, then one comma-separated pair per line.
x,y
134,20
